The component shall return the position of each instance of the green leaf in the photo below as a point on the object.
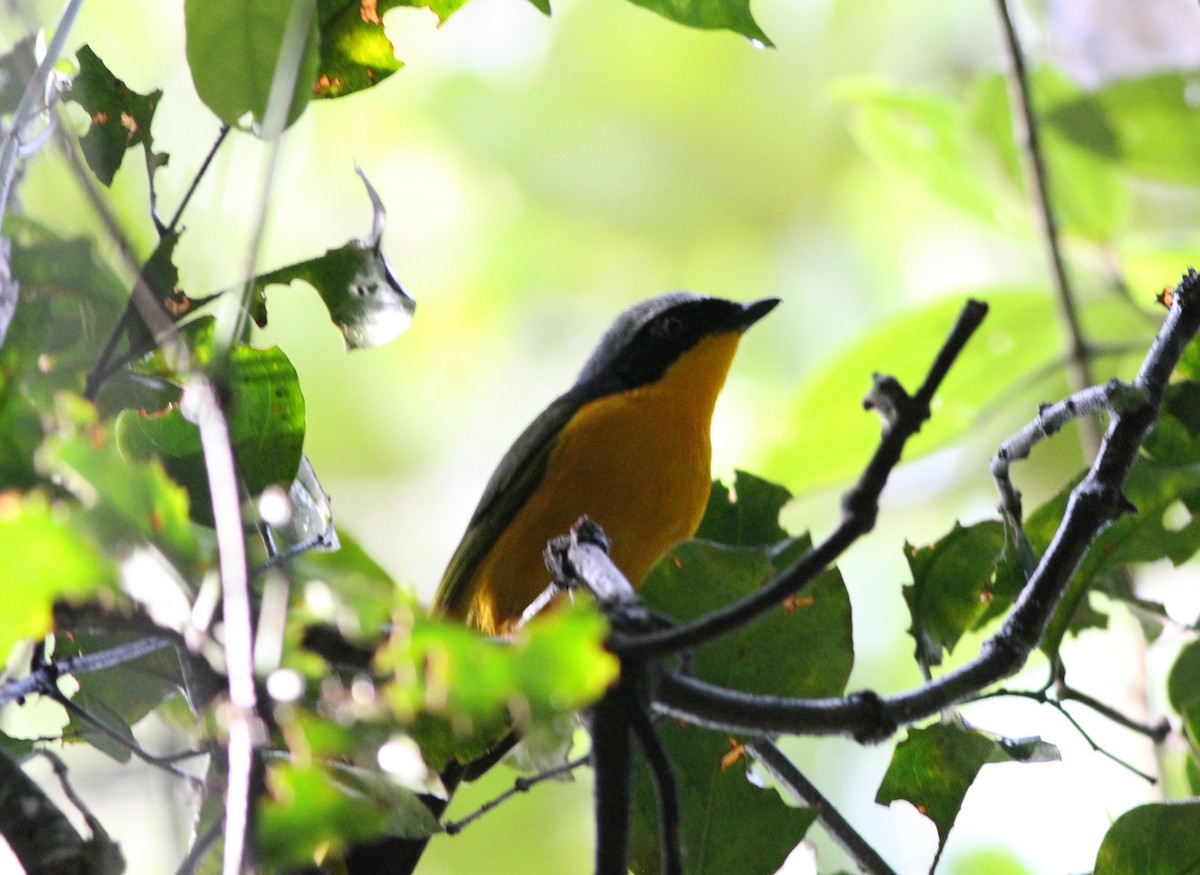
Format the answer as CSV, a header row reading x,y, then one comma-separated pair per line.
x,y
958,584
265,411
233,47
355,51
1147,536
746,516
309,805
707,15
1155,839
365,300
120,117
1176,436
460,692
1147,126
933,768
128,502
46,558
930,140
825,437
1183,682
695,578
730,826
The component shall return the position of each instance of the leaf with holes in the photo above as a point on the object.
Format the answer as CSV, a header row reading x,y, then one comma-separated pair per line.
x,y
365,300
120,117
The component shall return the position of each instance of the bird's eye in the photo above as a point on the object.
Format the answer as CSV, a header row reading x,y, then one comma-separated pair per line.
x,y
668,327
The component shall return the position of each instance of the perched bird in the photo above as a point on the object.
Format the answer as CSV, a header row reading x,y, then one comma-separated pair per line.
x,y
628,445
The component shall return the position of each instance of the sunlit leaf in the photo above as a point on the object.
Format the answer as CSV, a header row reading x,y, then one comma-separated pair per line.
x,y
1183,683
1155,839
120,117
310,805
460,691
234,46
930,141
709,15
46,558
128,502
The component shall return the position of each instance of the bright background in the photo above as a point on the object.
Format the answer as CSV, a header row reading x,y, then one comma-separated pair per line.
x,y
542,174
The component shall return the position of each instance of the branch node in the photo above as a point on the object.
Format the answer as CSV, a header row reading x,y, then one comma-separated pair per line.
x,y
879,724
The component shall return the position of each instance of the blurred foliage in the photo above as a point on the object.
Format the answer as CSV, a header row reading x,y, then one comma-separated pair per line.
x,y
677,167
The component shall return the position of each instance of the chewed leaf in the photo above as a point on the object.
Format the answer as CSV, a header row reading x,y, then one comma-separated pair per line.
x,y
364,299
120,117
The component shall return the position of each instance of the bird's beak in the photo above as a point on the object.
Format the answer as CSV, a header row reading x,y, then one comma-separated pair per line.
x,y
754,311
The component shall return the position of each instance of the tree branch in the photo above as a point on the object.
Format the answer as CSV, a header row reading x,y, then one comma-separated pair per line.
x,y
1093,505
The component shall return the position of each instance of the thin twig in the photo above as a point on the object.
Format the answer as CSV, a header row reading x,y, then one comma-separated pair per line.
x,y
666,794
785,773
42,677
1025,131
200,173
520,785
28,106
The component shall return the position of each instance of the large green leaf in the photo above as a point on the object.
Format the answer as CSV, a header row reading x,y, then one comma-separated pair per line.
x,y
120,117
803,649
730,826
825,437
233,47
1147,126
1155,839
128,502
46,558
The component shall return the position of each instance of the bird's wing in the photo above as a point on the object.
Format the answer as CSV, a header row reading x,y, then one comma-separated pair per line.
x,y
515,479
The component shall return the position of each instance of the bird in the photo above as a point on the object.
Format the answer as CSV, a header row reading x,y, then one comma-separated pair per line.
x,y
628,445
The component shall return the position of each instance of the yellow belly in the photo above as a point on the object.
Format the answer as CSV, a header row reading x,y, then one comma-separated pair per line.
x,y
638,463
